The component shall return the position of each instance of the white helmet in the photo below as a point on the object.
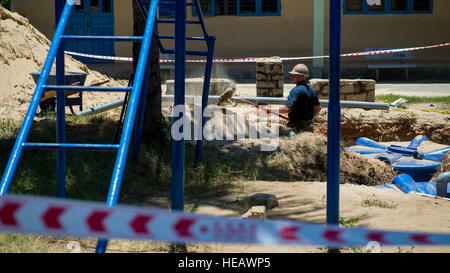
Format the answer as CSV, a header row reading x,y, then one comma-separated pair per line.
x,y
300,69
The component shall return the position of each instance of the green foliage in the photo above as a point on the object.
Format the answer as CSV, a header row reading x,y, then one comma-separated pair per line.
x,y
5,3
347,222
412,99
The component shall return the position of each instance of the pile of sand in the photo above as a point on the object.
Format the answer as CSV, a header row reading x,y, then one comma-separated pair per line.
x,y
306,156
23,49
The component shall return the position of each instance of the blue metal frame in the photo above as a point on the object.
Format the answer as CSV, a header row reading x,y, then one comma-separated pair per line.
x,y
387,9
205,96
39,91
57,51
138,84
178,146
334,115
135,110
60,111
210,43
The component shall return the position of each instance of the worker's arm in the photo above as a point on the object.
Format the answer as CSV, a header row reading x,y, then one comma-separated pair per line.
x,y
316,111
281,110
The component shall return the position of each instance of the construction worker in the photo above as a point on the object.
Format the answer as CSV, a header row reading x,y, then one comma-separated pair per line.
x,y
302,105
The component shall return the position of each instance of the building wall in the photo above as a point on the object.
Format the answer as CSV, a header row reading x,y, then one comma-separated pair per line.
x,y
290,34
40,13
399,30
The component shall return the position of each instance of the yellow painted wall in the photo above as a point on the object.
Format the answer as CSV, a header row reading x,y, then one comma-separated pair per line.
x,y
290,34
40,13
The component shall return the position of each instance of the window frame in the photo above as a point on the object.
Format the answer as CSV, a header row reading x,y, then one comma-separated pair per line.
x,y
238,10
387,8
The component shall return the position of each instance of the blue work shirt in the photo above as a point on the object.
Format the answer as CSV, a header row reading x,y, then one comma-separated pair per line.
x,y
301,101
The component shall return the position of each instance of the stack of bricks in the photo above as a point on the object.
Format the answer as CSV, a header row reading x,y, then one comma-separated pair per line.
x,y
269,77
351,89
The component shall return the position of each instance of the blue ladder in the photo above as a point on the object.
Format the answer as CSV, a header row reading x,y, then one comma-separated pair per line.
x,y
139,84
209,54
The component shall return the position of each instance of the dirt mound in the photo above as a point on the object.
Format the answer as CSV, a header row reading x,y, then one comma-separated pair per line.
x,y
306,156
445,167
23,49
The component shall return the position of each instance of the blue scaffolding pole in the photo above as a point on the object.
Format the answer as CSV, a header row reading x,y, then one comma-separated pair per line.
x,y
334,115
178,146
60,110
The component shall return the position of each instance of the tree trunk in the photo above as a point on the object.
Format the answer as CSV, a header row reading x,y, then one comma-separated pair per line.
x,y
152,129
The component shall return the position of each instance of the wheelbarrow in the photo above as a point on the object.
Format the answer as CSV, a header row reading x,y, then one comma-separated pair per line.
x,y
48,100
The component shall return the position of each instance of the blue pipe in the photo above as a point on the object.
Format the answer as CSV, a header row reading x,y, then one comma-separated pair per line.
x,y
60,110
363,141
26,125
178,148
104,38
415,143
365,151
125,139
205,96
87,88
436,155
67,146
389,158
405,183
101,108
200,16
334,115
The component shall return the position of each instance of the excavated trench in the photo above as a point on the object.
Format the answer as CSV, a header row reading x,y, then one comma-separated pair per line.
x,y
400,128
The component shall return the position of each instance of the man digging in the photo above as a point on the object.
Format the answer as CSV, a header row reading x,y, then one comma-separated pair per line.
x,y
302,105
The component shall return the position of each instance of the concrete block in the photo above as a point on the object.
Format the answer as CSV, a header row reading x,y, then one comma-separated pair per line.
x,y
262,76
350,89
277,77
266,84
258,212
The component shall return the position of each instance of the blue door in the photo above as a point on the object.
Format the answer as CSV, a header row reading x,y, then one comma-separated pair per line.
x,y
92,17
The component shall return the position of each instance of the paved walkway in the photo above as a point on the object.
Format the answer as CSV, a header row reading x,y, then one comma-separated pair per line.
x,y
414,89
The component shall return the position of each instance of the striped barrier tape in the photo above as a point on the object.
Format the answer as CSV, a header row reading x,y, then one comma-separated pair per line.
x,y
58,217
253,60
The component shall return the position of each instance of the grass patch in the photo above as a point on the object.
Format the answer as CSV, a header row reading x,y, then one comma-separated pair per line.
x,y
347,222
412,99
89,172
379,203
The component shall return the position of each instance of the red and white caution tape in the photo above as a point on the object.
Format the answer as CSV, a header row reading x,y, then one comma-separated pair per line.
x,y
112,58
57,217
253,60
369,53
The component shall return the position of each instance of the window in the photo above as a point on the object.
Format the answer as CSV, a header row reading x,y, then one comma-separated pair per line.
x,y
166,11
225,7
106,6
422,5
240,7
387,6
399,5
